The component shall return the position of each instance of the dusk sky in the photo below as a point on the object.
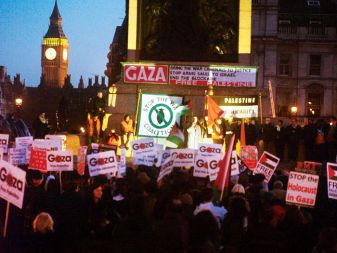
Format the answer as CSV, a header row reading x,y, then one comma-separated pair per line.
x,y
88,24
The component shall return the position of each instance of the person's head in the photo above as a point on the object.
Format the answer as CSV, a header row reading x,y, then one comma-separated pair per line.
x,y
267,120
278,185
247,120
97,191
238,189
328,239
293,121
113,131
37,178
126,117
207,194
201,120
333,120
194,120
42,115
100,94
43,223
218,121
280,122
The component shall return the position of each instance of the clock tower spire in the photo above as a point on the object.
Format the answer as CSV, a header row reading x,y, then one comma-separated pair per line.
x,y
54,52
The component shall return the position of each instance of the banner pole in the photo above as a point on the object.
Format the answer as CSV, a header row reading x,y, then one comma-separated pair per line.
x,y
260,102
137,110
6,220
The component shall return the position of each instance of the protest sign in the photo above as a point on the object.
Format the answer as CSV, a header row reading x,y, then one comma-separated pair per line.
x,y
267,165
234,164
162,155
183,157
309,167
12,183
60,161
4,138
166,168
143,147
249,156
17,156
38,160
302,189
23,142
122,163
157,114
44,144
207,149
213,168
102,163
332,180
201,165
81,155
147,160
60,139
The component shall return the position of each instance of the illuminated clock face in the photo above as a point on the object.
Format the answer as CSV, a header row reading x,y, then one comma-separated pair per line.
x,y
65,54
50,53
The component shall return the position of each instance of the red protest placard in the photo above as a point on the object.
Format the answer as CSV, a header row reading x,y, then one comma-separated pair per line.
x,y
38,160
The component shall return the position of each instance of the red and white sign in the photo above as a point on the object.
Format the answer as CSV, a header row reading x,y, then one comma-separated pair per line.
x,y
201,165
12,183
162,156
224,76
166,168
4,142
249,156
23,142
332,180
143,147
209,149
267,165
302,189
60,161
142,73
61,140
183,157
213,168
81,155
17,156
102,163
38,160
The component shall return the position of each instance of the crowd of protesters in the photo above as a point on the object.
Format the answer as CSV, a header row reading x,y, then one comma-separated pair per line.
x,y
180,213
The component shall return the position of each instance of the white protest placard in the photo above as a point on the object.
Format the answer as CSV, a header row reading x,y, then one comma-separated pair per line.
x,y
60,138
213,168
147,160
162,156
4,138
44,144
143,147
23,142
234,164
332,180
209,149
166,168
266,165
183,157
201,165
17,156
102,163
302,189
12,183
60,160
122,163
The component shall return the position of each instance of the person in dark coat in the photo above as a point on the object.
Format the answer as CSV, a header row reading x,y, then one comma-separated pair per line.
x,y
251,132
309,133
293,139
41,126
280,136
331,140
267,135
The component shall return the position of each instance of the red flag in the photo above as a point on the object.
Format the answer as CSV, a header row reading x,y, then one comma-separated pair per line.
x,y
242,134
213,110
222,180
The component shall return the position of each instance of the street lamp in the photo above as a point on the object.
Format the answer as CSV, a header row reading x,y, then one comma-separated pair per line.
x,y
293,110
18,102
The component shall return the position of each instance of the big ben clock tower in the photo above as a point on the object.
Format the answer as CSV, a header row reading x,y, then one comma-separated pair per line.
x,y
54,55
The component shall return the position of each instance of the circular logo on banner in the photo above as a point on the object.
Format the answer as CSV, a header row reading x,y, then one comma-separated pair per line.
x,y
160,116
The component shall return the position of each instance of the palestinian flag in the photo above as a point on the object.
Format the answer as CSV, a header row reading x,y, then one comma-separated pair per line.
x,y
176,137
268,160
184,109
332,171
